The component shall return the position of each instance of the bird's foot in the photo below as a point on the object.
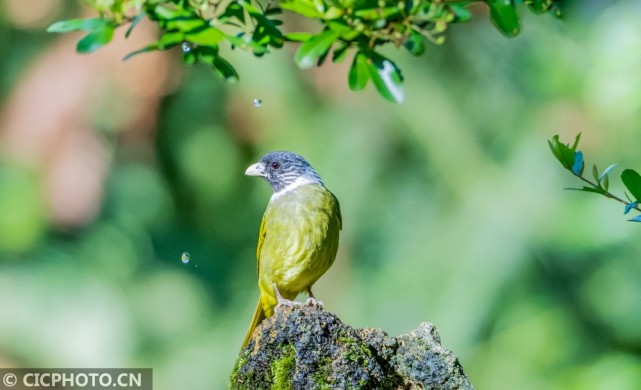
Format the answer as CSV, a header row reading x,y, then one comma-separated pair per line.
x,y
282,302
313,302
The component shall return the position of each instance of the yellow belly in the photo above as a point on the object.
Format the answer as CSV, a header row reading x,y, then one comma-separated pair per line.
x,y
301,239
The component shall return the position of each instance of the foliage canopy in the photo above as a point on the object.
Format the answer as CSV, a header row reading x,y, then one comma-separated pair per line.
x,y
201,27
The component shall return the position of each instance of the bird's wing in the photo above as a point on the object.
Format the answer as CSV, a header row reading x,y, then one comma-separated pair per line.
x,y
261,239
338,210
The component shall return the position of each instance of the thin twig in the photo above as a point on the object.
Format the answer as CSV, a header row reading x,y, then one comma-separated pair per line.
x,y
607,193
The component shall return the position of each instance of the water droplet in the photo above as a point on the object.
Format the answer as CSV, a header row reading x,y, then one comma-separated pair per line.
x,y
186,46
185,257
258,102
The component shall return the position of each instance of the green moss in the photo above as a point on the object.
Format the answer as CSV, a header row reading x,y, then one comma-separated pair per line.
x,y
233,380
355,349
322,373
282,369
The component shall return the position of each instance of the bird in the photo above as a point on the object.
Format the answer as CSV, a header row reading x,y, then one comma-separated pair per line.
x,y
298,236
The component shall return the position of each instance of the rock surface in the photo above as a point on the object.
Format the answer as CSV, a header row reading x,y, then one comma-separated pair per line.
x,y
308,348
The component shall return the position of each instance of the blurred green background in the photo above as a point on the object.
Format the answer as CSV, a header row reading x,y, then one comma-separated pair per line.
x,y
453,206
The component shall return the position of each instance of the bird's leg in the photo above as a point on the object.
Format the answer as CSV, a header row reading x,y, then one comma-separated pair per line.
x,y
311,301
282,301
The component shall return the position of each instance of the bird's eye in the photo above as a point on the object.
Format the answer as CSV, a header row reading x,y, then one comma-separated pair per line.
x,y
275,165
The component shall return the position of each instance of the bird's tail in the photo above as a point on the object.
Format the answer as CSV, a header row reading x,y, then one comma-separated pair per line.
x,y
259,316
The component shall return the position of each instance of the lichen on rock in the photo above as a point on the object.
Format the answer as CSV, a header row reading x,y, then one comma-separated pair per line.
x,y
308,348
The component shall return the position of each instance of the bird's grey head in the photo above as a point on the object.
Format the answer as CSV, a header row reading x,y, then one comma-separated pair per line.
x,y
282,169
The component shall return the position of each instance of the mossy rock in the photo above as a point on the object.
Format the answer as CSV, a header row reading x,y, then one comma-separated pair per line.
x,y
308,348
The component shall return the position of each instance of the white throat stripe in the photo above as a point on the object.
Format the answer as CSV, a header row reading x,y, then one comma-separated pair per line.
x,y
300,181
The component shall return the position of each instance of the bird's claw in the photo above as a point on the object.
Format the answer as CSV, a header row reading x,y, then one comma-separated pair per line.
x,y
282,301
285,302
313,302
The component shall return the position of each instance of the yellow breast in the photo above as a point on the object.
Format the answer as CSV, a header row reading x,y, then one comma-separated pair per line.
x,y
301,231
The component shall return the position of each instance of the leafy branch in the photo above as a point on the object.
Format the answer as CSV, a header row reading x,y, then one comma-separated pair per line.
x,y
201,27
572,160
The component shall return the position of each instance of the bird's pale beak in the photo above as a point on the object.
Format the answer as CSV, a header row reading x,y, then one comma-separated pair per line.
x,y
257,169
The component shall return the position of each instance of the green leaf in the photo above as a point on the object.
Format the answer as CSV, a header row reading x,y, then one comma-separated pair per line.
x,y
555,10
322,58
554,149
100,32
340,26
145,49
233,10
414,43
208,36
576,142
184,24
461,13
302,8
595,173
504,17
387,78
340,53
309,52
539,6
166,41
273,11
190,57
333,13
266,31
632,181
96,39
134,23
298,36
225,69
377,13
562,152
349,35
239,41
77,24
600,191
345,31
171,12
319,5
207,54
170,39
358,73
